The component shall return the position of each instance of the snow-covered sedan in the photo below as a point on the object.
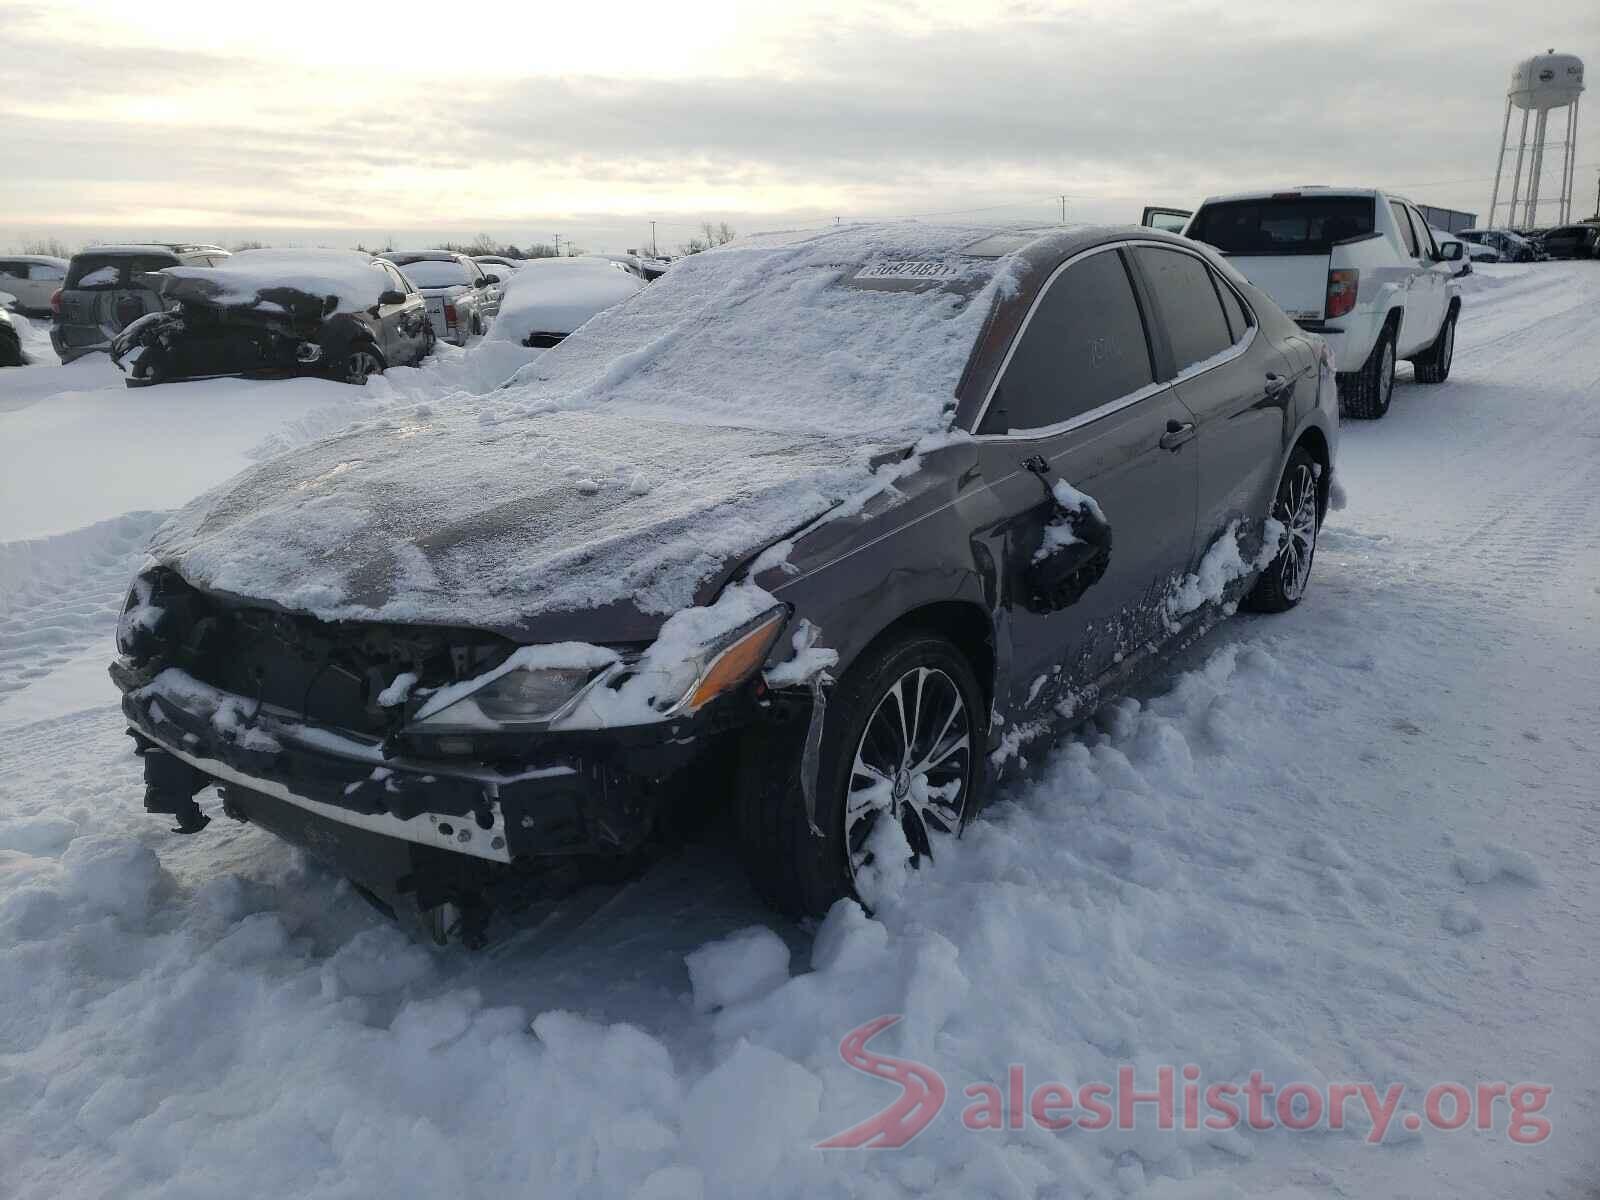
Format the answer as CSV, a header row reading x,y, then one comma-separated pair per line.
x,y
854,516
462,297
551,297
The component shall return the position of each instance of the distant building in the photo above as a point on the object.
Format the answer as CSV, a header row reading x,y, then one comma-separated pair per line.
x,y
1450,220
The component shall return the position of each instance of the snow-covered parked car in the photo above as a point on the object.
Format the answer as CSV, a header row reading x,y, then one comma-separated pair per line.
x,y
1357,266
11,354
551,297
103,292
853,515
336,312
462,297
497,264
1504,244
31,280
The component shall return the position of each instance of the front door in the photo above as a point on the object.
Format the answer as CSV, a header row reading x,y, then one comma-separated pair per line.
x,y
1092,482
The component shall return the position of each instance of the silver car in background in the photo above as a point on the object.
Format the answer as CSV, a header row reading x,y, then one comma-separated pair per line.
x,y
32,279
102,294
462,298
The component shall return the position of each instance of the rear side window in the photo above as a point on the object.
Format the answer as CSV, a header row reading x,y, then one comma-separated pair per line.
x,y
1238,319
13,270
1283,224
1407,234
45,272
113,270
1084,346
1188,304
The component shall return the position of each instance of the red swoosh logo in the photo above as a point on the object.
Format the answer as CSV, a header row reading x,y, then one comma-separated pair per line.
x,y
922,1093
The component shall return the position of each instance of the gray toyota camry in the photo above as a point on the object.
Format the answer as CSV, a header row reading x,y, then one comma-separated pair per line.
x,y
823,527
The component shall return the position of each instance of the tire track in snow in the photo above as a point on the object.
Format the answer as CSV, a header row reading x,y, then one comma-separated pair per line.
x,y
63,594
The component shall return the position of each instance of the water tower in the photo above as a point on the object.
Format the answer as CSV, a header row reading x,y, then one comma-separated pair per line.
x,y
1539,85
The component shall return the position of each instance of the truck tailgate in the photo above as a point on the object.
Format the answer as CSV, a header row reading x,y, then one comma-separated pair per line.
x,y
1298,282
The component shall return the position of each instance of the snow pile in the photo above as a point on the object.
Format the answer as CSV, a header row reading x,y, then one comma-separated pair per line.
x,y
741,966
346,280
1223,564
556,295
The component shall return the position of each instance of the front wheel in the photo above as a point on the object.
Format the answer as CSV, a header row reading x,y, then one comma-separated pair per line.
x,y
1434,366
362,361
1298,509
898,774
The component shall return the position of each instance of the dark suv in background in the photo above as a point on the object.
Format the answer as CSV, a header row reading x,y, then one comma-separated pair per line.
x,y
102,294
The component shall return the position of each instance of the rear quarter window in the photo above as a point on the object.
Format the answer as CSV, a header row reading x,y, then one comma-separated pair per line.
x,y
1284,224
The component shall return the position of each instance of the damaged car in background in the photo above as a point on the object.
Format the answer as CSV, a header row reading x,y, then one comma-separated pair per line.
x,y
338,313
825,528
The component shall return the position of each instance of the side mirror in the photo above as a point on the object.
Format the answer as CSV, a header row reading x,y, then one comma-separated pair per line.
x,y
493,278
1451,252
481,283
392,297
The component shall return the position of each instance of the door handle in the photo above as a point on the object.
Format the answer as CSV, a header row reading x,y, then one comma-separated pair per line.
x,y
1178,432
1277,385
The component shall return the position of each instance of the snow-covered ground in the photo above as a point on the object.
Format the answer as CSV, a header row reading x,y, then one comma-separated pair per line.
x,y
1357,842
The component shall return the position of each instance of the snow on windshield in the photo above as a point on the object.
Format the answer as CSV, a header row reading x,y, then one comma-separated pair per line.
x,y
435,272
858,331
557,295
349,276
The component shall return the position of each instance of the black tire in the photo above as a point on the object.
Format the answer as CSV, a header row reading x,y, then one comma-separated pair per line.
x,y
359,363
477,325
10,347
1298,507
151,369
1365,394
1434,366
802,874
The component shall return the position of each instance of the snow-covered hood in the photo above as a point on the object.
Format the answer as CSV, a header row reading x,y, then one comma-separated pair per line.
x,y
624,474
592,524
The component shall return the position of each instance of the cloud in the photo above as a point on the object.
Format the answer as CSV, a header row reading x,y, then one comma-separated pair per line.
x,y
901,111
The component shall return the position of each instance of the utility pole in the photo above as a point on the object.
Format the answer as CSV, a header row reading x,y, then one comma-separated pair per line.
x,y
558,245
1063,210
654,253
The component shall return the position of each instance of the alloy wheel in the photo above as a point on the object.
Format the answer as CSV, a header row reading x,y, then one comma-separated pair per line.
x,y
1386,376
1297,510
913,765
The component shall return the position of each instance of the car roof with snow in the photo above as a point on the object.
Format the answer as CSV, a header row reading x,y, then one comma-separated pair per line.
x,y
304,282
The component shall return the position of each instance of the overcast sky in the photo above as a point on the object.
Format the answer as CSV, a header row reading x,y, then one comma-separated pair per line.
x,y
293,121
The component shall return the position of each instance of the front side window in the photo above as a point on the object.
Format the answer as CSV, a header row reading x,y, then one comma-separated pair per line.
x,y
1083,346
1188,303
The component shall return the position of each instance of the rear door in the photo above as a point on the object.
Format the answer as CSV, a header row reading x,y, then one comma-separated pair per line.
x,y
1227,372
1078,403
1283,243
1420,319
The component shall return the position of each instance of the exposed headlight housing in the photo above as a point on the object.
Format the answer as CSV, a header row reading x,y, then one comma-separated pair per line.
x,y
577,686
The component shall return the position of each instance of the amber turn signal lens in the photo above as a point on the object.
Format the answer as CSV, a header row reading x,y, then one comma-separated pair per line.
x,y
737,663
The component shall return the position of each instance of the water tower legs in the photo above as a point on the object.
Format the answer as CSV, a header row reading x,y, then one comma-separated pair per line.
x,y
1516,179
1535,168
1505,132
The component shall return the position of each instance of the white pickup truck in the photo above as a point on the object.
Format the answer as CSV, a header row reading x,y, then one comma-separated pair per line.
x,y
1355,265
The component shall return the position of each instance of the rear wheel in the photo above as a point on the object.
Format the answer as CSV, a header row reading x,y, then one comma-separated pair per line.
x,y
1298,509
898,773
1365,394
1434,366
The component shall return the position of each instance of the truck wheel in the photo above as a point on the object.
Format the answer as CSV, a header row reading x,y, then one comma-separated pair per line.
x,y
1365,394
1298,509
901,742
1434,366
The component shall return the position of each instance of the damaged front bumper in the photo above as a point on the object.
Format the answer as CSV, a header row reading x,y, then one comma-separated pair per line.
x,y
508,799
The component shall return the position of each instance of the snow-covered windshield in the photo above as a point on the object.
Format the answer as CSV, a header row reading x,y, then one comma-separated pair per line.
x,y
846,332
435,272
